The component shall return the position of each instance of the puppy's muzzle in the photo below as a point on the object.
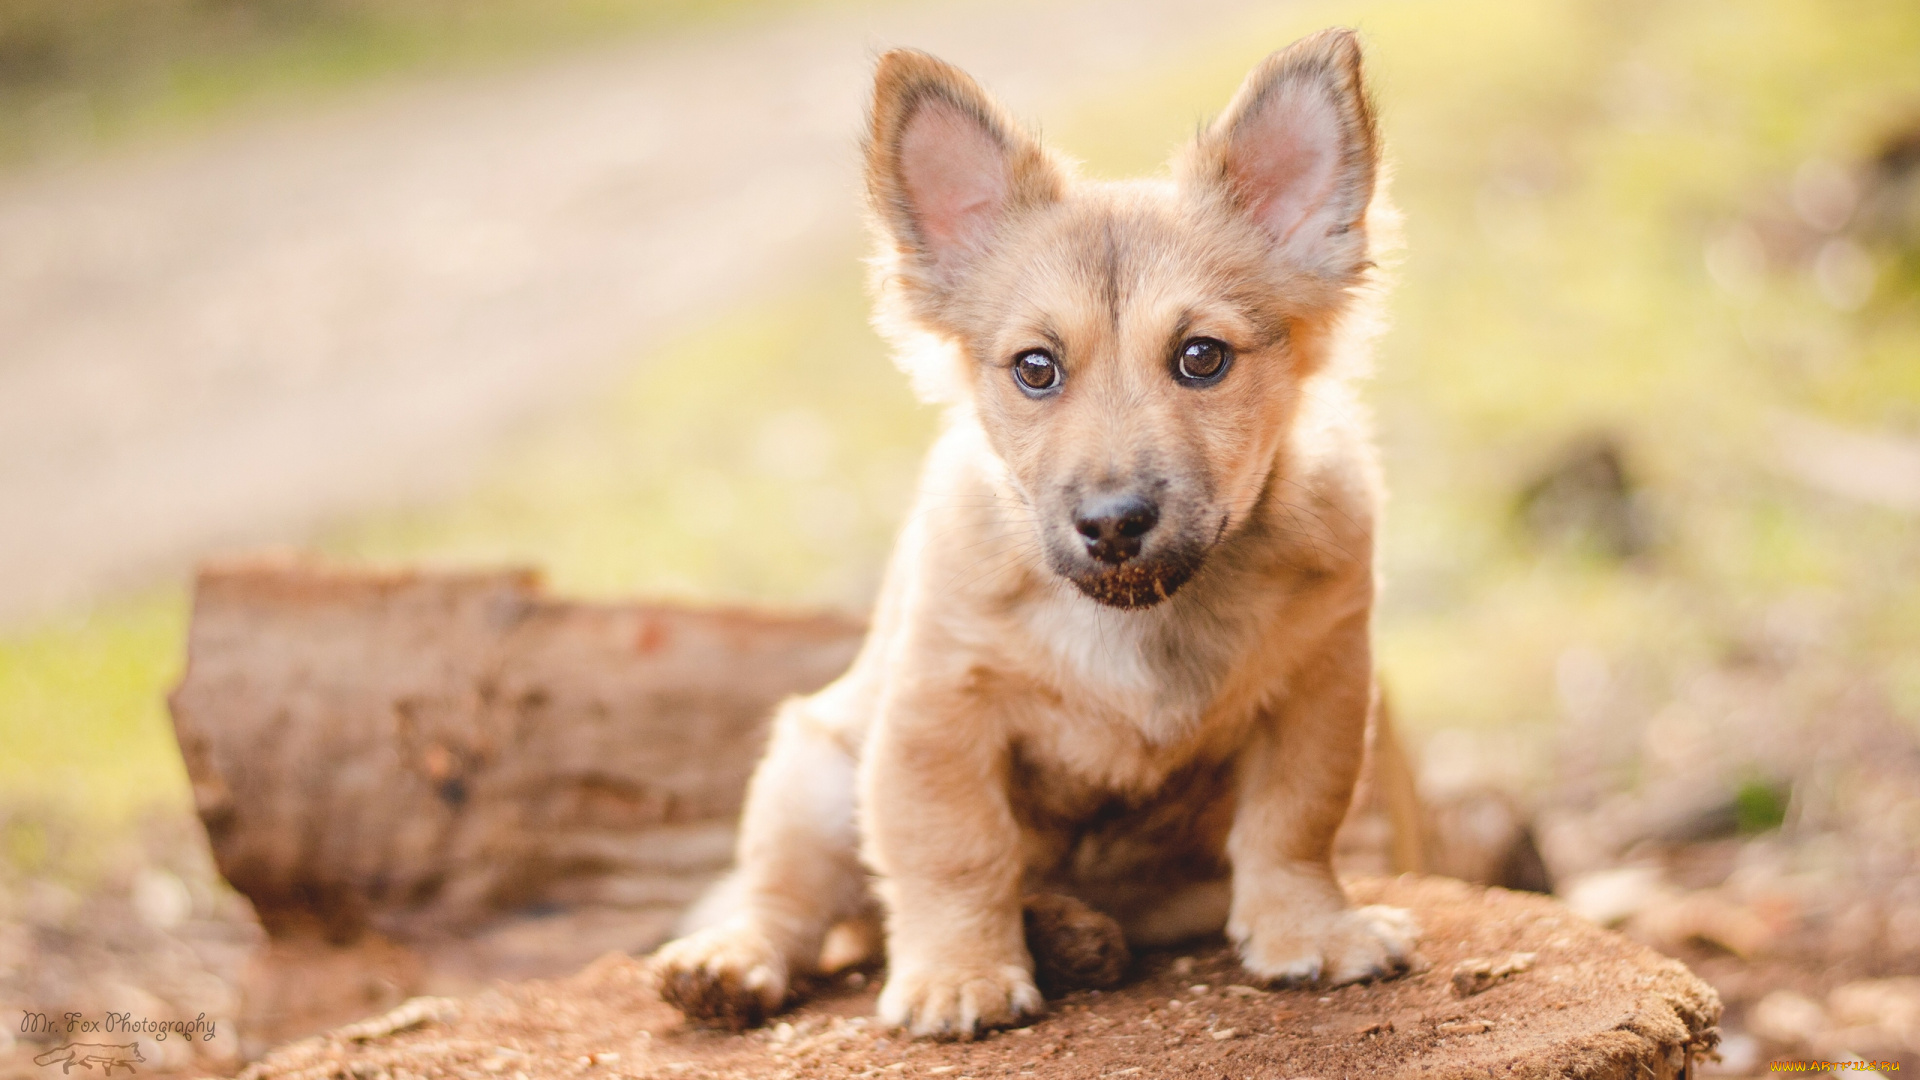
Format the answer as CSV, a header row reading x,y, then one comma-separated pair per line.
x,y
1127,562
1112,526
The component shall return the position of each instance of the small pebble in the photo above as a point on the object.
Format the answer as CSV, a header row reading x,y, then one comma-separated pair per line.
x,y
1478,974
1378,1027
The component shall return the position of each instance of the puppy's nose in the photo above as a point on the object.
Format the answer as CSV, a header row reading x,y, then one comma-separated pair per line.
x,y
1112,525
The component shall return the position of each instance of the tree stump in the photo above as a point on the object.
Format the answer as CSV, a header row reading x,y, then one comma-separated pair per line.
x,y
1571,1000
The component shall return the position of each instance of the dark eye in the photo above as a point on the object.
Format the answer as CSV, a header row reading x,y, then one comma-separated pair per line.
x,y
1036,371
1202,360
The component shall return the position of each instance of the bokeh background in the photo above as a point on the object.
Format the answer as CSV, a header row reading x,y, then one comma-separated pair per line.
x,y
576,285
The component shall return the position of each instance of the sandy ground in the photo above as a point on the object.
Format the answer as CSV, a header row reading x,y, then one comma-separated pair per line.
x,y
238,338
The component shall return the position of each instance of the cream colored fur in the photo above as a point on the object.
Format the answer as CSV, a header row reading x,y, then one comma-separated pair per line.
x,y
1173,737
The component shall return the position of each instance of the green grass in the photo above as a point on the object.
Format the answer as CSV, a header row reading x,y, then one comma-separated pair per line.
x,y
83,723
1559,198
1563,167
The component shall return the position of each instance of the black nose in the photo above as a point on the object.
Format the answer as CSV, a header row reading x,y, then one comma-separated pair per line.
x,y
1112,525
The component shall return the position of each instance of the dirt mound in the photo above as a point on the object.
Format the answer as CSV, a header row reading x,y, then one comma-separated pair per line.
x,y
1585,1003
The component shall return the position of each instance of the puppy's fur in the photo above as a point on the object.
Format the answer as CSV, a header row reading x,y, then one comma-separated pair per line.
x,y
1167,721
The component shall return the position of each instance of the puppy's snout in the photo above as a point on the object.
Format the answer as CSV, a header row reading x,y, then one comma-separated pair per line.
x,y
1112,525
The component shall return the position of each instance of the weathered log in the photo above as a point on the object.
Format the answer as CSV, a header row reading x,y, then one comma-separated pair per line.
x,y
429,752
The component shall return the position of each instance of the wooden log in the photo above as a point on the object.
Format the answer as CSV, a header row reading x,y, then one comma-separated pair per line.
x,y
1515,986
428,752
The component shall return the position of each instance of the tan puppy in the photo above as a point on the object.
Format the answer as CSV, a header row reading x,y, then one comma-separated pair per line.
x,y
1122,647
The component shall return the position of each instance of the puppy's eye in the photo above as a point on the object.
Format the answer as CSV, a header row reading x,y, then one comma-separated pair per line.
x,y
1037,371
1202,361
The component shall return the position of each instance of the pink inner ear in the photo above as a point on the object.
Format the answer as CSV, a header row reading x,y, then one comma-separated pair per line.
x,y
954,172
1285,160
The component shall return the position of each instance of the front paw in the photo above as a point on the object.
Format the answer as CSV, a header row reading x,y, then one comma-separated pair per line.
x,y
959,1001
1333,949
729,975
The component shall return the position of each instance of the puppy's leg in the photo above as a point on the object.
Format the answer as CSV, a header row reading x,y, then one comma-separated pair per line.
x,y
797,873
1289,916
941,834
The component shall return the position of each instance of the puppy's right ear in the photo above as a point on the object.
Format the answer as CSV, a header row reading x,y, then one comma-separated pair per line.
x,y
946,168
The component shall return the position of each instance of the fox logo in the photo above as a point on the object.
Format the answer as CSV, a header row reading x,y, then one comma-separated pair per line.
x,y
87,1055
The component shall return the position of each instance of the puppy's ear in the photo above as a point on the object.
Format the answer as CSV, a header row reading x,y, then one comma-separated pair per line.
x,y
946,167
1297,151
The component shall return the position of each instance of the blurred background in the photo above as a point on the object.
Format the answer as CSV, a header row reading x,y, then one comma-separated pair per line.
x,y
575,284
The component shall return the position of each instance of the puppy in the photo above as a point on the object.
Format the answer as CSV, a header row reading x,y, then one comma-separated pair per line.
x,y
1122,648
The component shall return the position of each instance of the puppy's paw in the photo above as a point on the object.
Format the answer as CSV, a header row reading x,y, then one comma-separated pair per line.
x,y
1074,947
727,975
1332,949
959,1001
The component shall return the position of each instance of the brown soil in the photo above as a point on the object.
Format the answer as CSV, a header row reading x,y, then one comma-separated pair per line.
x,y
1590,1004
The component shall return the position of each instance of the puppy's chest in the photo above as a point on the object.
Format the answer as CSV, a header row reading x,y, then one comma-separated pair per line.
x,y
1121,676
1113,707
1124,716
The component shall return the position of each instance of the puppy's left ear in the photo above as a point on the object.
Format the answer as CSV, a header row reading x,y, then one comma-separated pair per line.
x,y
1297,151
